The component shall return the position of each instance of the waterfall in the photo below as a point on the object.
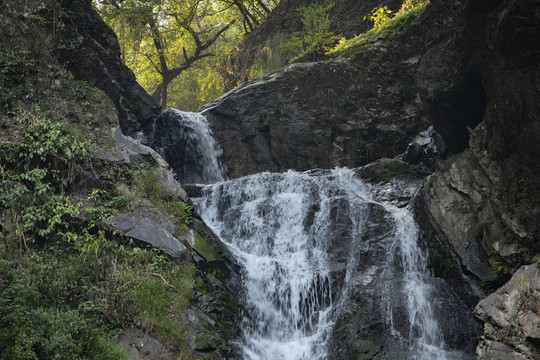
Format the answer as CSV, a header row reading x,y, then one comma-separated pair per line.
x,y
184,139
308,243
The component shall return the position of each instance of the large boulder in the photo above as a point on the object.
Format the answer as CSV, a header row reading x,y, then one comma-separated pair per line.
x,y
511,317
311,115
89,49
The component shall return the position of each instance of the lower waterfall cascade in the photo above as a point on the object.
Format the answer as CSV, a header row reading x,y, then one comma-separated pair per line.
x,y
302,240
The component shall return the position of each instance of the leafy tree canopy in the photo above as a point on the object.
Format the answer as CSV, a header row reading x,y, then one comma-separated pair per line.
x,y
161,39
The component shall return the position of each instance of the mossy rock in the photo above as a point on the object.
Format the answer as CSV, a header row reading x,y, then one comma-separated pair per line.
x,y
206,250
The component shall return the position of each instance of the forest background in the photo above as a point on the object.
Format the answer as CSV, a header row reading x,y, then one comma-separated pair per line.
x,y
178,49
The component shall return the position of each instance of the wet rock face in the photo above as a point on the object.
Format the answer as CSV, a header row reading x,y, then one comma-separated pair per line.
x,y
457,191
308,116
511,318
91,52
428,148
486,200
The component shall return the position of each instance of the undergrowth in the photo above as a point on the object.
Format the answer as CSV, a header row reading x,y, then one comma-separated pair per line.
x,y
385,25
144,184
67,286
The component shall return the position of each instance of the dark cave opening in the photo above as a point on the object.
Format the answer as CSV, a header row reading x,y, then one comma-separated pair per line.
x,y
460,107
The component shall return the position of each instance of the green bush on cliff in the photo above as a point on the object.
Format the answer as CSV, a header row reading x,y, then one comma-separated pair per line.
x,y
36,171
316,38
66,287
384,25
379,17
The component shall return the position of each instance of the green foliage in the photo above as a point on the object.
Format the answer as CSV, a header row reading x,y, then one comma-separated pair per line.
x,y
182,210
36,172
205,249
146,185
487,287
388,27
174,23
536,259
53,306
270,58
159,290
13,68
478,230
379,17
501,270
316,38
524,199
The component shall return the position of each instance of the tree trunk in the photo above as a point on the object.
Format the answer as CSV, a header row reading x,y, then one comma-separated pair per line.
x,y
265,8
157,94
164,94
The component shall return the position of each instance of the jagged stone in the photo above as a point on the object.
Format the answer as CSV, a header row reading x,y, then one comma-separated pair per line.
x,y
427,148
95,57
303,117
128,147
455,194
512,318
141,346
147,230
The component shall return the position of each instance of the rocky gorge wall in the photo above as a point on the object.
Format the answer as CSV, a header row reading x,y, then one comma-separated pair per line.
x,y
469,68
89,49
55,55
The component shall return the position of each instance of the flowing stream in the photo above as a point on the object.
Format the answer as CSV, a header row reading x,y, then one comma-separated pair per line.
x,y
285,229
184,139
308,243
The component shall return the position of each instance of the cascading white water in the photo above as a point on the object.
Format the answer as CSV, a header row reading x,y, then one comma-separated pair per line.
x,y
184,139
288,289
425,338
282,228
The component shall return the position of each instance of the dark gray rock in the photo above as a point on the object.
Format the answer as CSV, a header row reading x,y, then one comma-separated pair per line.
x,y
511,317
141,346
481,88
147,230
427,148
498,351
93,55
127,148
312,115
456,193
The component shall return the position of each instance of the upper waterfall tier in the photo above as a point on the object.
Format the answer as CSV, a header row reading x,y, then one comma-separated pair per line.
x,y
186,142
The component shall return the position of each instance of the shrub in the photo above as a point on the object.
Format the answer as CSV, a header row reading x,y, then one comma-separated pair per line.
x,y
316,38
379,17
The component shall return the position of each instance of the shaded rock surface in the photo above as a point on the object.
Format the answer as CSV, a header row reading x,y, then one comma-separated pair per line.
x,y
145,229
312,115
91,52
486,200
511,317
141,346
427,148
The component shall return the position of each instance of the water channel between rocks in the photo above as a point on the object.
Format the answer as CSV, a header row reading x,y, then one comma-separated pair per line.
x,y
311,246
301,239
